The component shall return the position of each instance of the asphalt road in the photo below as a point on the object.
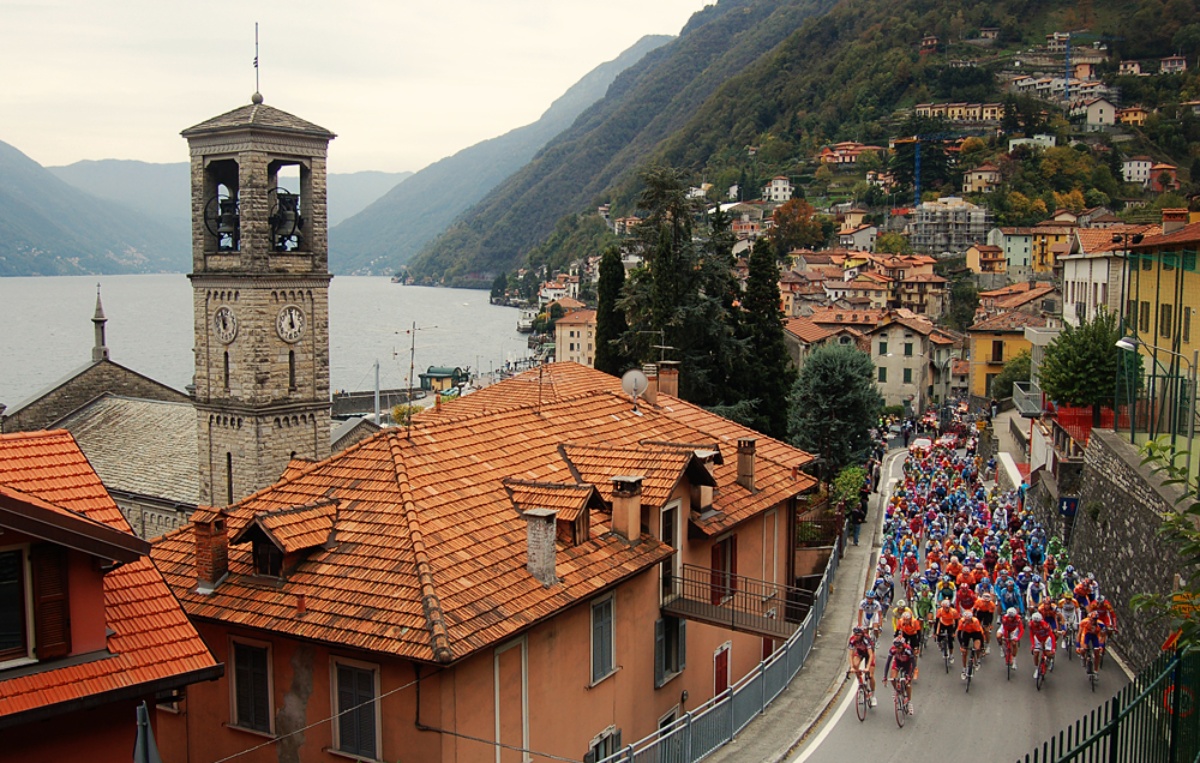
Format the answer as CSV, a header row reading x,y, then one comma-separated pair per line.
x,y
998,720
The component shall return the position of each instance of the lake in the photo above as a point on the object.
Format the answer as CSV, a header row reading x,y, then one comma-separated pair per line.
x,y
47,330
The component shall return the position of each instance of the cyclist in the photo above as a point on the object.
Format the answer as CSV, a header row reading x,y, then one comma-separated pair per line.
x,y
870,612
1010,597
902,659
923,603
909,628
969,632
1009,634
1092,635
1068,617
898,612
862,655
946,590
1041,638
985,610
945,622
1108,615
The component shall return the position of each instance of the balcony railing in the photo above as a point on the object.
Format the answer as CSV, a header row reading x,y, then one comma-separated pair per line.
x,y
1027,399
737,602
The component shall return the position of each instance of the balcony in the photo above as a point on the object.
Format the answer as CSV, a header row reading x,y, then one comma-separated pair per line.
x,y
737,602
1027,399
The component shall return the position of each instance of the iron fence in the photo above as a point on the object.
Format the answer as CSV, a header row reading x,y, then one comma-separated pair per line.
x,y
1152,720
701,731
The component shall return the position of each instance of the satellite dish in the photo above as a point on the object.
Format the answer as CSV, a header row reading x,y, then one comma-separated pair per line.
x,y
634,382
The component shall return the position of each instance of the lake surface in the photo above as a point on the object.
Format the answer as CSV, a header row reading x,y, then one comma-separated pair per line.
x,y
46,330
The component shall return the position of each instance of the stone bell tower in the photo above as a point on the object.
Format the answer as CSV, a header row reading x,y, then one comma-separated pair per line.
x,y
260,292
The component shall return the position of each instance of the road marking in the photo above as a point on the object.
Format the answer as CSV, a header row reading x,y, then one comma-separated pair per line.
x,y
830,724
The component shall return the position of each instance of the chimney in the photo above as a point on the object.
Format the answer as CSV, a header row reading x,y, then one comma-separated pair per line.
x,y
212,548
540,526
1174,219
627,507
651,393
745,456
668,377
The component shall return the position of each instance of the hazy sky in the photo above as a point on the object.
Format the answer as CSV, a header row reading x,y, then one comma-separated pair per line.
x,y
402,83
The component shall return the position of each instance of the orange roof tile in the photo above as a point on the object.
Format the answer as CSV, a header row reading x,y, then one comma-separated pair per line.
x,y
569,500
294,529
1008,322
805,330
150,639
430,557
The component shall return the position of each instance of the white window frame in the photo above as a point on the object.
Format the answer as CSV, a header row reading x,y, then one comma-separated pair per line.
x,y
232,673
612,624
334,661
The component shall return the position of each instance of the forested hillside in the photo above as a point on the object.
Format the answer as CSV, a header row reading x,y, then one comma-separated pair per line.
x,y
783,79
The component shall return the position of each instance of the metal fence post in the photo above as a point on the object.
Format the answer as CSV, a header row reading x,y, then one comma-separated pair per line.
x,y
687,736
1115,726
1176,691
762,684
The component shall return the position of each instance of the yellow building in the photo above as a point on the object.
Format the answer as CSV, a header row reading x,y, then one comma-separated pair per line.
x,y
1050,240
575,337
995,340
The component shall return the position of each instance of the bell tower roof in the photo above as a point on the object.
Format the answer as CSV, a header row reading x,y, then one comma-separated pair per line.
x,y
100,347
257,115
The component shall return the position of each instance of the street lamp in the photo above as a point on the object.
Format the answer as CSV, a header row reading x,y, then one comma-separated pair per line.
x,y
1131,344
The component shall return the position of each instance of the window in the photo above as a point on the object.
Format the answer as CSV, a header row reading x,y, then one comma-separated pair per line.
x,y
226,370
357,710
882,374
1164,320
997,351
291,370
13,644
908,376
669,534
604,744
908,349
883,348
603,659
670,649
268,559
252,686
229,478
1144,317
724,569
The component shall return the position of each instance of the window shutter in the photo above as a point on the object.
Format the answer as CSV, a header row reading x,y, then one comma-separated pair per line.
x,y
616,741
346,727
51,607
366,713
682,644
733,563
660,652
590,757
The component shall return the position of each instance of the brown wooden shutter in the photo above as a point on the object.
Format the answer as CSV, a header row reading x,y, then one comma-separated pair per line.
x,y
51,605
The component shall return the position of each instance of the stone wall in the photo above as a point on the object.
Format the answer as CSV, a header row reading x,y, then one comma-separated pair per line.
x,y
94,380
1116,536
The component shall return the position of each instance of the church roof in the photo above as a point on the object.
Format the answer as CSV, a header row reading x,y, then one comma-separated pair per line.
x,y
121,435
261,116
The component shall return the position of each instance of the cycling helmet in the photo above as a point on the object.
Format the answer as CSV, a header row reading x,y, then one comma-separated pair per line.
x,y
1070,568
1036,617
967,614
1012,612
1099,598
906,616
1094,614
979,566
910,554
1027,569
901,604
1037,578
1091,576
859,630
871,594
945,604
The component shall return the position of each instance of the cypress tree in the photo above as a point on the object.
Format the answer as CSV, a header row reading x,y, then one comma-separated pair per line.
x,y
610,319
768,373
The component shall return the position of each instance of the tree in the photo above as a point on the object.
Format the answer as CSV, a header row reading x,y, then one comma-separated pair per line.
x,y
610,319
499,286
1015,370
795,227
964,300
893,243
768,374
1080,365
834,404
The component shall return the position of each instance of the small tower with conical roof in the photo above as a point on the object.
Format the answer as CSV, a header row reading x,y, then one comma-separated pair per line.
x,y
260,285
100,346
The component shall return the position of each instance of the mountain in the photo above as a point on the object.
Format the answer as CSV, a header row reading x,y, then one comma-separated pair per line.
x,y
784,77
49,227
388,233
163,191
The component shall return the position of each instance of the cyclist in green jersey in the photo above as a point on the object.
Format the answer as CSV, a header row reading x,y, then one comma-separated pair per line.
x,y
922,603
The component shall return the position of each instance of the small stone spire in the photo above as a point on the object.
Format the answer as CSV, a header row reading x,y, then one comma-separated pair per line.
x,y
100,350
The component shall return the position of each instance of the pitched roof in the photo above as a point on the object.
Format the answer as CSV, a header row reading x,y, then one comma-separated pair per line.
x,y
1188,234
261,116
1008,322
151,642
430,556
578,317
805,330
121,435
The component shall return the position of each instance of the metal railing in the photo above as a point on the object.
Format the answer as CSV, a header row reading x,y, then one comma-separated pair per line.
x,y
701,731
737,602
1151,720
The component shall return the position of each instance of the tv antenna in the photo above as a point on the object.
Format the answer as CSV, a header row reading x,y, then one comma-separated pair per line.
x,y
635,383
412,355
256,90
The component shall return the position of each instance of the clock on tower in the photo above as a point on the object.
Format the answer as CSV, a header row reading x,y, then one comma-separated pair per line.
x,y
260,293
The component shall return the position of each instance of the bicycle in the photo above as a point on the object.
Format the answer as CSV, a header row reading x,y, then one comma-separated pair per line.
x,y
1045,663
945,641
1010,656
1089,664
862,699
972,663
901,700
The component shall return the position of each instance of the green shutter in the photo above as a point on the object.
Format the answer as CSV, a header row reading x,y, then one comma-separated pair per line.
x,y
660,652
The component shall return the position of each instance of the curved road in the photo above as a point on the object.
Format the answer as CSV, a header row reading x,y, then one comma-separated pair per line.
x,y
998,720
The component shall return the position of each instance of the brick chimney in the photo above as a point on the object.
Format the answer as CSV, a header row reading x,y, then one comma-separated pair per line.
x,y
1174,219
745,462
212,548
651,393
668,377
540,527
627,507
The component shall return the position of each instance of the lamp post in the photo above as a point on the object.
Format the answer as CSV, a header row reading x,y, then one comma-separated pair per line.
x,y
1131,344
1124,239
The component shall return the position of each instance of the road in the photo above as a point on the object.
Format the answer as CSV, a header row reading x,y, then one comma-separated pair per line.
x,y
998,720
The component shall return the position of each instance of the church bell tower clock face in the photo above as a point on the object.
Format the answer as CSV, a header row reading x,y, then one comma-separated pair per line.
x,y
225,325
290,324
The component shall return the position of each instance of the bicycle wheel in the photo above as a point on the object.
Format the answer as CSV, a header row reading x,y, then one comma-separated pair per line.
x,y
1008,664
861,702
946,653
901,710
970,668
1041,673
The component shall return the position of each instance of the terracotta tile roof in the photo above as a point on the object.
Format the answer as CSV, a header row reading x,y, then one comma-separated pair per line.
x,y
150,639
1008,322
1188,234
959,367
580,317
568,500
924,278
806,331
1017,300
1016,288
834,316
258,115
430,557
294,529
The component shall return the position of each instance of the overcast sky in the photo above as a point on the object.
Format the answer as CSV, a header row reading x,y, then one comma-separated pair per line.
x,y
402,83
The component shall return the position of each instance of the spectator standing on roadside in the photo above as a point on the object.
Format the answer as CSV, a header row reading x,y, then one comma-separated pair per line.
x,y
858,515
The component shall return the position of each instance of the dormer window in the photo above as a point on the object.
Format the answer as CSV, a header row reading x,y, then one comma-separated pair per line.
x,y
268,559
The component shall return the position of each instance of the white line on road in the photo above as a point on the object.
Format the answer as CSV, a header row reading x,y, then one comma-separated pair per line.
x,y
830,723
